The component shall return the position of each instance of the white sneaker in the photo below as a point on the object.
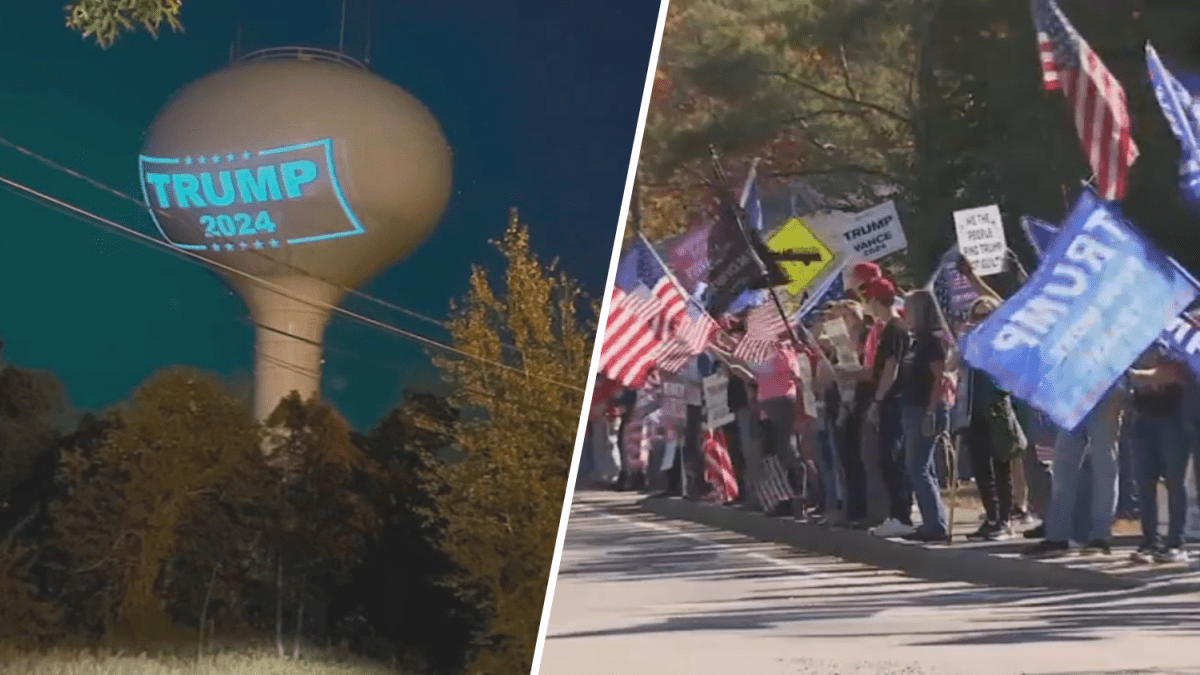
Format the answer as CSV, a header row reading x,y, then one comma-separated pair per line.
x,y
892,528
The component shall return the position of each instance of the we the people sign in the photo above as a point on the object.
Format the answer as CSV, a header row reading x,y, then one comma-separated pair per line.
x,y
981,238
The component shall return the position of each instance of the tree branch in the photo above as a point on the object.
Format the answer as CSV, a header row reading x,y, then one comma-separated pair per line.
x,y
801,173
846,74
883,110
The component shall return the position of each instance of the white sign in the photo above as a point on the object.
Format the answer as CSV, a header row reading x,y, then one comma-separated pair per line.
x,y
873,234
674,390
804,373
981,239
674,410
716,401
674,406
838,334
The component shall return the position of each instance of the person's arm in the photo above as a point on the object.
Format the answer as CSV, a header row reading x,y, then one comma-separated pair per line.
x,y
890,350
891,367
935,394
825,377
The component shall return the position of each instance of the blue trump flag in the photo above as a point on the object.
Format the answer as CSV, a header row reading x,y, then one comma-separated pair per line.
x,y
1039,233
751,203
832,288
1180,103
1101,296
1181,337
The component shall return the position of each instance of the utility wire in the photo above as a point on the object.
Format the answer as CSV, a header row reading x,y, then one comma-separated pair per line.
x,y
387,364
93,218
57,166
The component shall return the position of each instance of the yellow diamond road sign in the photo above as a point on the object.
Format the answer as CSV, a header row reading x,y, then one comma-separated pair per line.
x,y
796,239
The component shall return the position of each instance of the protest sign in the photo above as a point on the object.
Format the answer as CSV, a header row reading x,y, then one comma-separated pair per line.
x,y
716,401
674,404
1101,297
838,335
981,239
797,238
873,234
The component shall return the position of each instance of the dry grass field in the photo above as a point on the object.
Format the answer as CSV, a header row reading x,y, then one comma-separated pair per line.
x,y
65,661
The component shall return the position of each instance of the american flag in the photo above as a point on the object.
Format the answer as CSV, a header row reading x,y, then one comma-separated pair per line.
x,y
645,313
629,349
953,292
764,326
773,487
1094,95
641,271
718,467
690,338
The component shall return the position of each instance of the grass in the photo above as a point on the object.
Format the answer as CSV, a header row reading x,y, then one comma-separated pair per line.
x,y
251,661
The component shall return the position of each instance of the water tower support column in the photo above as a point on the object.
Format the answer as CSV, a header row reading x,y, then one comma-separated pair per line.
x,y
288,337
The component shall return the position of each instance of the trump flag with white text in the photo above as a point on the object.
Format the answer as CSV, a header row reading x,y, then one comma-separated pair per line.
x,y
1101,296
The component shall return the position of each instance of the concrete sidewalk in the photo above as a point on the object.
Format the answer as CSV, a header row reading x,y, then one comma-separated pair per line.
x,y
984,563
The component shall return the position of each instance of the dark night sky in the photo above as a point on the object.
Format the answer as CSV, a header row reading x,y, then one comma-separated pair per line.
x,y
538,98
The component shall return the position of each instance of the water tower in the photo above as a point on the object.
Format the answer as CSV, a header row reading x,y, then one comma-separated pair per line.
x,y
300,167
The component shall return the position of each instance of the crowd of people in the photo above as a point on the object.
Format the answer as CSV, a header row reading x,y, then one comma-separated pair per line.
x,y
892,411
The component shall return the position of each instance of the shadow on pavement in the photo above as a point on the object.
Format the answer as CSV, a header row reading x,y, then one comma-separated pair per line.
x,y
611,549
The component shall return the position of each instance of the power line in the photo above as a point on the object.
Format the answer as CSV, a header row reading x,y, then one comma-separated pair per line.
x,y
388,364
92,218
104,187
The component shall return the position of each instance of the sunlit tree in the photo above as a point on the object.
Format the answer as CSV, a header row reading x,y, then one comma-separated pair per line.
x,y
107,19
498,506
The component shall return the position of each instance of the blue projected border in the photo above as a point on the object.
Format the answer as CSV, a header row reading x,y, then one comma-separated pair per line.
x,y
334,181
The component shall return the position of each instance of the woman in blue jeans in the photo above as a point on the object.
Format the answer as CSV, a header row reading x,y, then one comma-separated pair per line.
x,y
921,369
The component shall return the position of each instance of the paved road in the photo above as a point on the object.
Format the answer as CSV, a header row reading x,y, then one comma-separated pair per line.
x,y
640,595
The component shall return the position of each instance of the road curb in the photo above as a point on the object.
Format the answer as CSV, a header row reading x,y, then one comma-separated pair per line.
x,y
933,564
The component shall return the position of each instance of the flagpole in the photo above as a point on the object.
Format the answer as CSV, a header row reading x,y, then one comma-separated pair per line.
x,y
723,184
727,194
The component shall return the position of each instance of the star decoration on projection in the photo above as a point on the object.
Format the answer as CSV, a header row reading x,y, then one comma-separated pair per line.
x,y
246,245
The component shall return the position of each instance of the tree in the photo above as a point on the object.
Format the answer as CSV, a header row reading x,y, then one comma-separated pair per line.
x,y
498,507
107,19
822,92
405,567
180,437
30,402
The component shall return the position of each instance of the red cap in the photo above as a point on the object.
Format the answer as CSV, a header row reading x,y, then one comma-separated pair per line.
x,y
867,271
879,287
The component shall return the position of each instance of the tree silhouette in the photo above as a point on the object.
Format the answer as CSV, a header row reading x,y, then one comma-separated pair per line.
x,y
180,437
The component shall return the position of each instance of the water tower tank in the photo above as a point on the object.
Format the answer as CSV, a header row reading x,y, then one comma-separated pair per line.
x,y
303,169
